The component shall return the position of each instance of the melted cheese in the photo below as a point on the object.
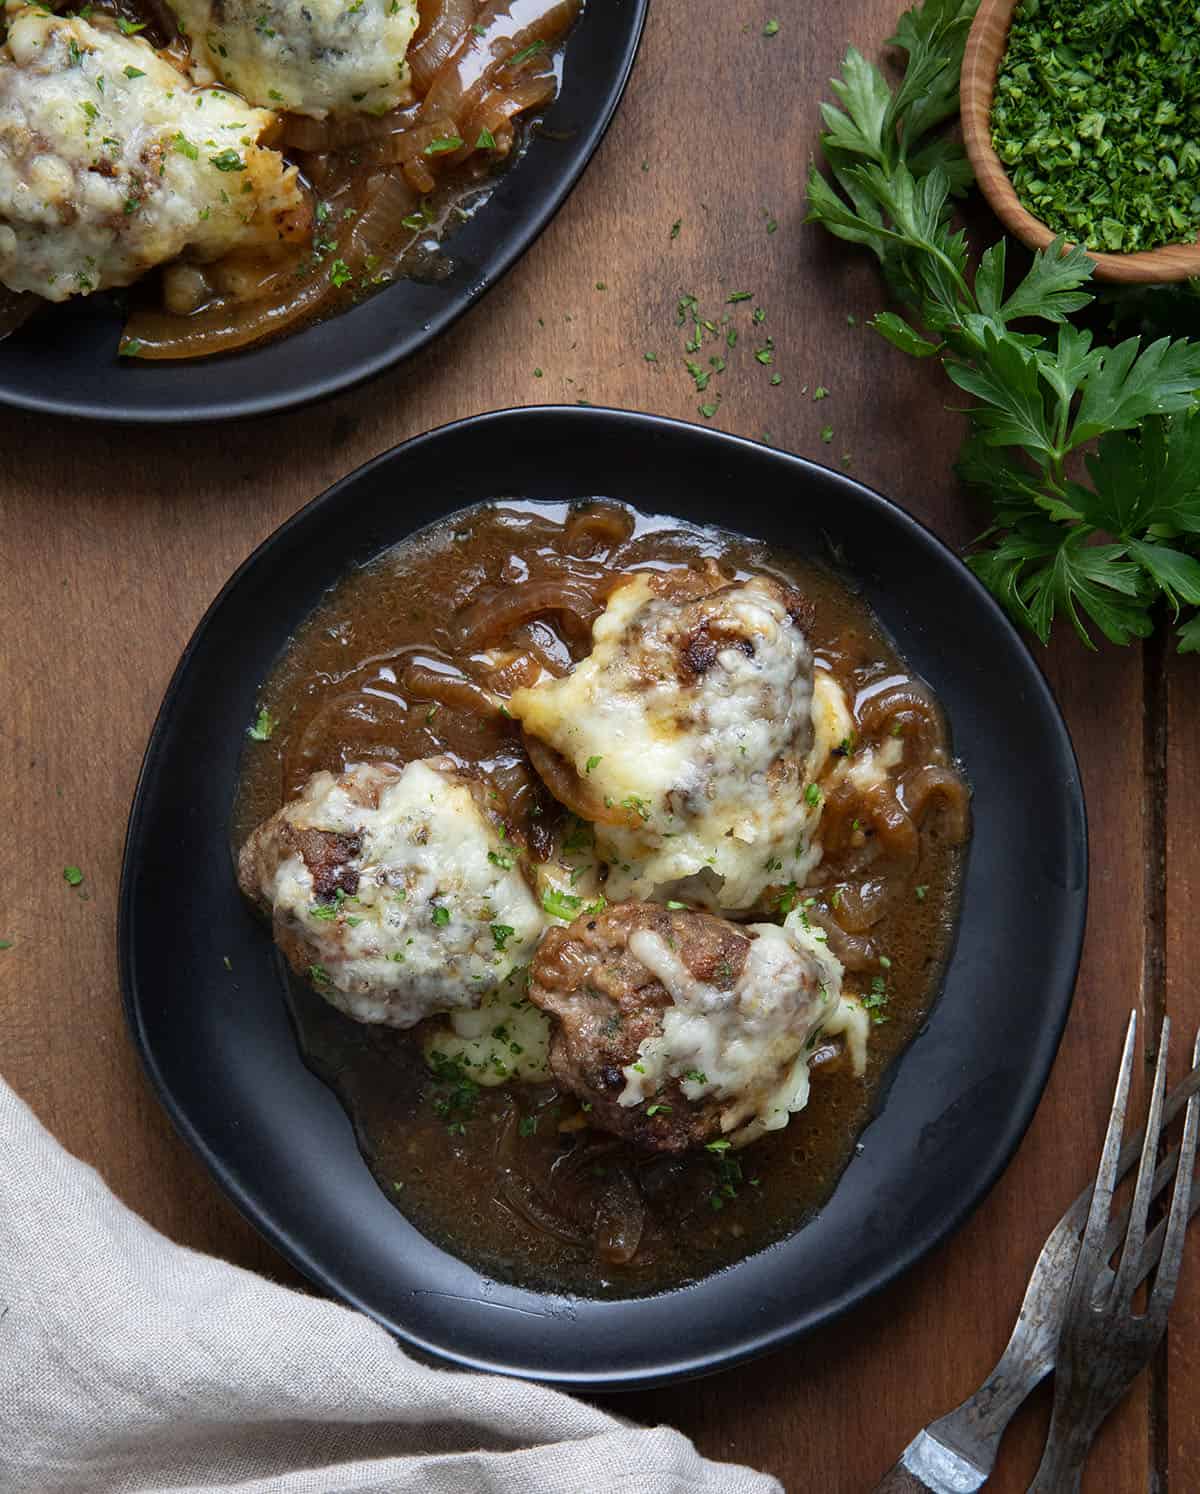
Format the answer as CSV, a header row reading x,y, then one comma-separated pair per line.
x,y
505,1038
442,914
747,1047
312,57
110,163
691,763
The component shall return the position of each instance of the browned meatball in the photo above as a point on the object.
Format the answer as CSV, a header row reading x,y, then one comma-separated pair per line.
x,y
607,1003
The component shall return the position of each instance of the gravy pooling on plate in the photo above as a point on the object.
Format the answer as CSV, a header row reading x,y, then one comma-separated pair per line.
x,y
498,1152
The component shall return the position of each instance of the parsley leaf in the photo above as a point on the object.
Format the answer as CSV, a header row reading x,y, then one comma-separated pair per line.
x,y
1101,553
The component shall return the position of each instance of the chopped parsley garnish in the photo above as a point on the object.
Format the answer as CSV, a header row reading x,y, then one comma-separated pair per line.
x,y
501,934
6,944
921,893
789,898
820,392
876,999
264,726
500,859
675,905
129,28
564,905
527,1125
133,72
771,28
330,910
184,147
340,273
227,160
716,1146
442,145
319,975
658,1109
486,141
527,52
696,1076
593,762
455,1101
675,228
812,795
440,916
72,876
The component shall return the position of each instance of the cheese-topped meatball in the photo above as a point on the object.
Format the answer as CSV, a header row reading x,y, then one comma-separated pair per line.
x,y
312,57
685,736
680,1028
392,892
110,163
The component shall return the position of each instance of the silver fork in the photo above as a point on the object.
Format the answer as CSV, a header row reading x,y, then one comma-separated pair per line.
x,y
956,1453
1104,1344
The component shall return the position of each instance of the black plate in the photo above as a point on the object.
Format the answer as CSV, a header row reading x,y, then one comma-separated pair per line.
x,y
65,361
222,1054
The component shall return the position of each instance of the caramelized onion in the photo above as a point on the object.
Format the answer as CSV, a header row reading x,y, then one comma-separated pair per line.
x,y
855,951
575,792
490,621
452,690
444,24
620,1219
923,785
905,710
225,326
892,823
599,526
861,905
343,131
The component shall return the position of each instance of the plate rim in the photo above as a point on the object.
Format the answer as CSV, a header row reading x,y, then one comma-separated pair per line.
x,y
325,386
900,1261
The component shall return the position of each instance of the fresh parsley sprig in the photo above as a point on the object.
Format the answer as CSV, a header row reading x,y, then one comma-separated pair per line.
x,y
1091,454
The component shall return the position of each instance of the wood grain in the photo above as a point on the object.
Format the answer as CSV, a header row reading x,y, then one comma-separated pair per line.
x,y
115,541
981,63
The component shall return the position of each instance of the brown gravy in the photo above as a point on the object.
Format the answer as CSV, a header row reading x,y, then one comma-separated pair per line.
x,y
512,1179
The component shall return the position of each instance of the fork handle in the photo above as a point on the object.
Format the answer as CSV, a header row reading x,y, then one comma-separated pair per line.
x,y
899,1480
1061,1468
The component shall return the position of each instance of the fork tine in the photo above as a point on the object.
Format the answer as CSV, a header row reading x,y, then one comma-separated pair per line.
x,y
1152,1249
1171,1259
1091,1248
1131,1257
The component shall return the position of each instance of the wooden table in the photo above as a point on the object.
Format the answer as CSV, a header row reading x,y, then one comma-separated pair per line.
x,y
114,541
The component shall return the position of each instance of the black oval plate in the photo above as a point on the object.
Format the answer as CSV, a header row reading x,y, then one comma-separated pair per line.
x,y
221,1051
65,362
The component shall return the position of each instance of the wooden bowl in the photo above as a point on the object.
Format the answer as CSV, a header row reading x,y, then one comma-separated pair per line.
x,y
981,63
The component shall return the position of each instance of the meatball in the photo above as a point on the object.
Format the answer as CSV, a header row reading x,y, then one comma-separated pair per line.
x,y
684,736
392,892
306,56
110,163
680,1028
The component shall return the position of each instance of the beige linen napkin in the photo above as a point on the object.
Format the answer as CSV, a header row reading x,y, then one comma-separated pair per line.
x,y
128,1363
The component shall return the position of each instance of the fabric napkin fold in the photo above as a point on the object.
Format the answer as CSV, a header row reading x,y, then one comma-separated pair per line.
x,y
128,1363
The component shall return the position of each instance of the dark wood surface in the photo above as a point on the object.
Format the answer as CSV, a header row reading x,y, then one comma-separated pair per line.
x,y
114,541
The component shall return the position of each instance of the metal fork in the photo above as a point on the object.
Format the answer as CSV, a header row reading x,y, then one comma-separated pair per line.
x,y
1105,1344
956,1453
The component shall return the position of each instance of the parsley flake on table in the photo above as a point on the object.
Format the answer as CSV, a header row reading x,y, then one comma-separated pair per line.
x,y
6,943
771,28
72,876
